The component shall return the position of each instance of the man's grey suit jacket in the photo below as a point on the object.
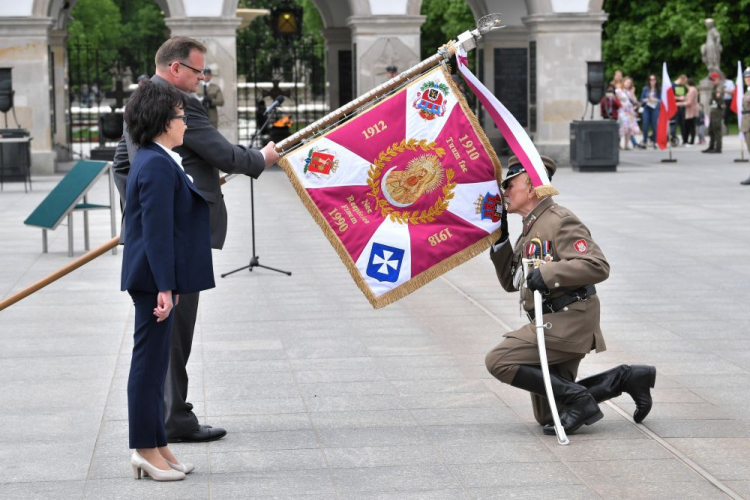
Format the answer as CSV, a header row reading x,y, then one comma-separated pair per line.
x,y
204,153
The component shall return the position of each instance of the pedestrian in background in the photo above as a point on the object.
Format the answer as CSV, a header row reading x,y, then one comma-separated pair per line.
x,y
702,125
628,118
690,106
650,100
680,89
211,97
745,129
610,105
728,95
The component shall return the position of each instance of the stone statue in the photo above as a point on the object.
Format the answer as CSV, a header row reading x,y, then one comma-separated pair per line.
x,y
711,50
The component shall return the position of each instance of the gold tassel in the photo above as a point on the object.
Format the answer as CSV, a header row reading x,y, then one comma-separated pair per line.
x,y
542,191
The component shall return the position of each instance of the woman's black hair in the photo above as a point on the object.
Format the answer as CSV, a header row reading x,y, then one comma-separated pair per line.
x,y
150,109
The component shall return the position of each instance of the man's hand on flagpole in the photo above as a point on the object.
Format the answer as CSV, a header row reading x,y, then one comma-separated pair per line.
x,y
504,233
270,154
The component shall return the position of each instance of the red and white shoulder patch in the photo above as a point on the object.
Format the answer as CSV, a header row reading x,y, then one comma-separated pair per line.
x,y
581,246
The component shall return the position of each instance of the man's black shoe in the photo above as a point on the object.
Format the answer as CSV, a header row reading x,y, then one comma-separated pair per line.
x,y
746,182
203,434
709,150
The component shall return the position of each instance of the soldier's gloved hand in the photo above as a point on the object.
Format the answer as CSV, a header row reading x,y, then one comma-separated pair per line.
x,y
536,282
503,228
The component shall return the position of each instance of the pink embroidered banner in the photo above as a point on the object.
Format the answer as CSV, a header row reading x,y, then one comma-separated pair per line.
x,y
405,191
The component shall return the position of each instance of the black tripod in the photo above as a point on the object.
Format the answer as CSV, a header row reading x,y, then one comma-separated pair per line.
x,y
254,259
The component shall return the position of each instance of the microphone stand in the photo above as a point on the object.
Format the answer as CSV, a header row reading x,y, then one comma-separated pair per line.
x,y
254,260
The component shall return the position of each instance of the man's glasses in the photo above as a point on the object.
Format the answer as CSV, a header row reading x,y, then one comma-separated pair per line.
x,y
184,118
197,71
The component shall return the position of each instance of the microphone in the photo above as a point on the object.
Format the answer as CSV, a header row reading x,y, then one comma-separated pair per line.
x,y
270,109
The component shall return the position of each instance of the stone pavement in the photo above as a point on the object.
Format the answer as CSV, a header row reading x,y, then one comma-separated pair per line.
x,y
325,398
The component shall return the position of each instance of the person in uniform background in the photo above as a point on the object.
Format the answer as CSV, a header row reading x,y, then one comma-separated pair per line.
x,y
143,79
571,308
746,117
211,97
716,103
391,72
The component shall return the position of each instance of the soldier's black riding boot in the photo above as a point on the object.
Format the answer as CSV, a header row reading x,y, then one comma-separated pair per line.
x,y
636,380
580,405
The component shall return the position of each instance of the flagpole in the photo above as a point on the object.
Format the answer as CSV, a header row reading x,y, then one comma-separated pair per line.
x,y
467,40
742,158
669,143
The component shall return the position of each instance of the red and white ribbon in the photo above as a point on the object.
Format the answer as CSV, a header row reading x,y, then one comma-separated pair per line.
x,y
512,131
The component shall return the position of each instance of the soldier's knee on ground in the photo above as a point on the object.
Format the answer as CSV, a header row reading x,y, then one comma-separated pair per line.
x,y
502,371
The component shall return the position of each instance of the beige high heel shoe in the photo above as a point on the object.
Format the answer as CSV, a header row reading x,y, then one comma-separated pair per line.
x,y
184,467
140,464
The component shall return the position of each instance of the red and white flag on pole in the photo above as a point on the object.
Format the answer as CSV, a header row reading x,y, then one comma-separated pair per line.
x,y
667,109
737,97
512,131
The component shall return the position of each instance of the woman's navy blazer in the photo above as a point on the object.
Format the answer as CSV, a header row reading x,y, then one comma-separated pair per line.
x,y
168,240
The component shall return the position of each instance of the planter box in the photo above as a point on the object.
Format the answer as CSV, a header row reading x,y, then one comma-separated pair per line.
x,y
594,146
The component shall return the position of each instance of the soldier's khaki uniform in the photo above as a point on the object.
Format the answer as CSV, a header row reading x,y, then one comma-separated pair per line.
x,y
217,99
716,104
574,330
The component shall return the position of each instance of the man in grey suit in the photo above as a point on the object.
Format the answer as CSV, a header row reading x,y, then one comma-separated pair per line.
x,y
204,152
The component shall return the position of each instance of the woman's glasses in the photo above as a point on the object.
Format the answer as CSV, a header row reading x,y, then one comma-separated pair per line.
x,y
184,118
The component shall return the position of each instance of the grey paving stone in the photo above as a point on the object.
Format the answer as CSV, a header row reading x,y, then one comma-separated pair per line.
x,y
700,428
567,491
514,474
193,486
268,440
451,400
361,419
42,490
273,484
382,456
344,388
611,449
266,460
450,494
478,452
460,434
624,472
417,387
672,490
364,437
384,479
264,423
350,402
461,416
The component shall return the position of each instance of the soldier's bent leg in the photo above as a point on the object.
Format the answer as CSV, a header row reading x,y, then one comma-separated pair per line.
x,y
567,370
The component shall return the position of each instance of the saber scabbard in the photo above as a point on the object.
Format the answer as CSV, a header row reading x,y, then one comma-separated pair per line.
x,y
533,263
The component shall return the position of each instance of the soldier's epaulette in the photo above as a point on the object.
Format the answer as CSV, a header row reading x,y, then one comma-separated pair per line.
x,y
561,212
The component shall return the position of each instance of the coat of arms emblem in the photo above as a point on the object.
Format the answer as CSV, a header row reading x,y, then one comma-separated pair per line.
x,y
320,162
490,206
431,100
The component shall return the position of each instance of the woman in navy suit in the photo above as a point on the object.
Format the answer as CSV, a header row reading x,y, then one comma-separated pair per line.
x,y
167,252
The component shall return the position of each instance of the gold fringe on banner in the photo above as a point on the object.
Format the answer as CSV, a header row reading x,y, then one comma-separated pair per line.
x,y
435,271
542,191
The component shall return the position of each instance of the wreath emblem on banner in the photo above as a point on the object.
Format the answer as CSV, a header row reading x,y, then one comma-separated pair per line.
x,y
422,175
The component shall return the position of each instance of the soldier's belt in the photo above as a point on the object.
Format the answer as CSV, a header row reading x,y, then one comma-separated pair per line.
x,y
554,305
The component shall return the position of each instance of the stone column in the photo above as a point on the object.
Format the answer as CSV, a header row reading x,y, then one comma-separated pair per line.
x,y
24,47
61,97
381,41
337,40
219,35
564,42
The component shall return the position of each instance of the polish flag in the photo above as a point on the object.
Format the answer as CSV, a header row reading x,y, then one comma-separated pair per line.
x,y
667,110
738,96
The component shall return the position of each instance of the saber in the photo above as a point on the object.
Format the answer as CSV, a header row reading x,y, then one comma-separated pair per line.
x,y
534,259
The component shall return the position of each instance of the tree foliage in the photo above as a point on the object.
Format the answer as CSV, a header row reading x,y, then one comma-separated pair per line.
x,y
107,34
639,36
445,20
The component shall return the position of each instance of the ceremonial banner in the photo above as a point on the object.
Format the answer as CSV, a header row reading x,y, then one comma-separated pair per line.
x,y
405,191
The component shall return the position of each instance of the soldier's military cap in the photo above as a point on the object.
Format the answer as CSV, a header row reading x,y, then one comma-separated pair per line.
x,y
747,72
515,168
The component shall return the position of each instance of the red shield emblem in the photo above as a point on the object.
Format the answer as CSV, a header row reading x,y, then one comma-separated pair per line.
x,y
320,163
492,207
581,246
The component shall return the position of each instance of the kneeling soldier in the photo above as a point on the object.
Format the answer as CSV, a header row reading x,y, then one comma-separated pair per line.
x,y
575,263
